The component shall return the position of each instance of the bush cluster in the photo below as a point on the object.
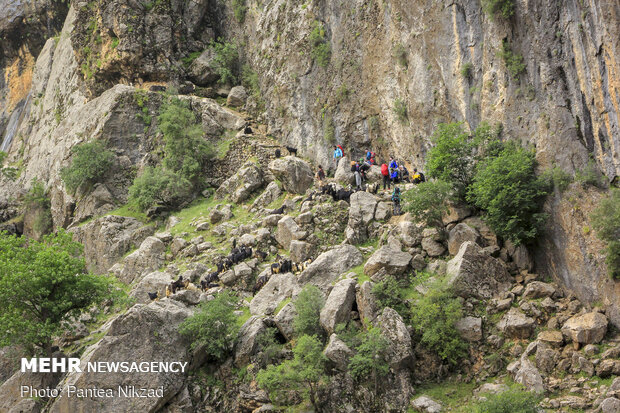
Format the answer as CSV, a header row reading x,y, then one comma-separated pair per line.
x,y
90,162
400,110
321,50
226,61
499,8
214,326
239,9
606,222
514,61
186,154
511,401
309,303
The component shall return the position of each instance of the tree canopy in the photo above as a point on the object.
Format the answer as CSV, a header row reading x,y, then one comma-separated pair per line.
x,y
43,285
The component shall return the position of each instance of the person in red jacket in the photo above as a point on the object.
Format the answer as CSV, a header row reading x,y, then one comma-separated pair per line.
x,y
386,176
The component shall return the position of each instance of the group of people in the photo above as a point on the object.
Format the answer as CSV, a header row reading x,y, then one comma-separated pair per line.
x,y
392,173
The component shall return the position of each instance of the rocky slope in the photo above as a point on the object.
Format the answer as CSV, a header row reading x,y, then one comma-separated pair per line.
x,y
78,71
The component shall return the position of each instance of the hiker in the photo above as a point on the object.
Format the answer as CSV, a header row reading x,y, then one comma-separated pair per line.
x,y
396,200
386,176
418,177
355,168
403,173
337,155
393,167
320,176
364,168
370,157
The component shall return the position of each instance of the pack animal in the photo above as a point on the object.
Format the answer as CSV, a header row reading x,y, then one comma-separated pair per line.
x,y
291,150
153,296
260,283
278,211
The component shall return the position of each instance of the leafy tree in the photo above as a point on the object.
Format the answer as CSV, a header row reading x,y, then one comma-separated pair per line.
x,y
511,401
451,159
43,285
305,375
501,8
186,150
226,60
606,222
427,202
434,317
214,326
90,162
390,294
159,186
308,305
507,189
370,364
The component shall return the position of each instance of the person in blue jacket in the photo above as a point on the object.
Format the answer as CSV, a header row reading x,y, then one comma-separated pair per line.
x,y
393,168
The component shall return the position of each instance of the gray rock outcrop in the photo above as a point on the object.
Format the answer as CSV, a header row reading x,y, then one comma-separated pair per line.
x,y
329,265
294,173
242,184
589,328
337,308
472,273
391,259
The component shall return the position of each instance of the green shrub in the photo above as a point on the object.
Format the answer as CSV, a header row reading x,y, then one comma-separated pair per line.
x,y
514,62
37,204
590,175
329,130
557,178
467,70
507,189
308,305
9,172
214,326
268,346
427,202
88,166
451,158
400,110
501,8
434,317
400,52
321,51
226,60
239,9
305,376
370,364
43,286
159,186
510,401
187,61
186,150
389,293
606,221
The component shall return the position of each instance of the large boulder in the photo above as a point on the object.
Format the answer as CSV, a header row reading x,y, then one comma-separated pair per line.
x,y
237,96
529,376
284,320
203,70
149,257
270,194
338,352
278,288
220,213
538,289
367,303
143,333
470,328
153,282
410,233
300,250
240,186
343,174
455,213
589,328
472,273
515,324
107,239
337,308
459,234
426,405
329,265
294,173
288,231
400,349
247,340
390,258
361,213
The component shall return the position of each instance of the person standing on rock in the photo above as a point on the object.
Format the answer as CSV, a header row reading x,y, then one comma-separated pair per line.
x,y
386,176
320,176
396,201
393,167
337,156
355,168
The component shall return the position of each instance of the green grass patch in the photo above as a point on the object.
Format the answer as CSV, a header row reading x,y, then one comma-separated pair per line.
x,y
128,210
245,316
452,395
282,304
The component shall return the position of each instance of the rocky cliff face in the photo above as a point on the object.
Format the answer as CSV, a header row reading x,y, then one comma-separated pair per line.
x,y
386,73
